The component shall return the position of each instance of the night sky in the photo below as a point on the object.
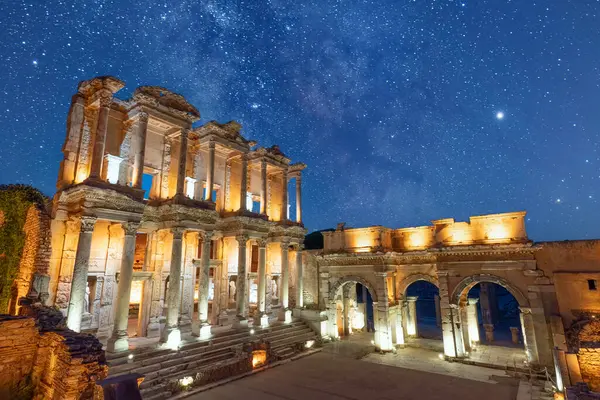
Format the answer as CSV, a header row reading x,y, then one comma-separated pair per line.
x,y
404,111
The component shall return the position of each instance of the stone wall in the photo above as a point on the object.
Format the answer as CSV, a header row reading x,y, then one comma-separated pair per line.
x,y
589,364
310,277
42,361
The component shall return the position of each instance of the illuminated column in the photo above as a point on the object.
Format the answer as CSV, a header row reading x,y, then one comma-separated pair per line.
x,y
105,100
529,339
438,315
299,198
210,175
263,319
263,187
139,153
118,341
472,321
171,334
284,195
244,183
80,272
285,313
398,326
366,303
299,282
411,325
346,301
383,334
242,278
182,162
201,327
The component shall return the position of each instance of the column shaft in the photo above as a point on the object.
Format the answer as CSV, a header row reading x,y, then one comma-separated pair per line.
x,y
118,340
472,321
438,312
182,161
284,196
285,275
171,331
100,137
299,281
263,187
210,174
412,316
244,184
262,276
204,280
240,291
529,339
138,161
80,272
299,199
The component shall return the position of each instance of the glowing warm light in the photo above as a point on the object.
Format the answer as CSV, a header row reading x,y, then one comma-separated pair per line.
x,y
288,317
135,297
358,320
417,239
372,342
441,356
259,358
112,172
173,340
190,187
460,235
130,356
498,231
309,344
252,331
186,381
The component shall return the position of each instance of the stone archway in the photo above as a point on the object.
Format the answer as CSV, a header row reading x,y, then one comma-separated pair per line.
x,y
410,279
351,278
409,305
468,315
459,295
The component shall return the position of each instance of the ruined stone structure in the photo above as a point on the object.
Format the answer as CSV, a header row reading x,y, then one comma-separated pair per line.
x,y
191,225
553,283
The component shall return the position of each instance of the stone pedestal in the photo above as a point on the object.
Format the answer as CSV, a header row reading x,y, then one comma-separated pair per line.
x,y
119,339
489,332
514,332
80,272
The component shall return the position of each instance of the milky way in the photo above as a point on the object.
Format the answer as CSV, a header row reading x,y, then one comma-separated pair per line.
x,y
392,104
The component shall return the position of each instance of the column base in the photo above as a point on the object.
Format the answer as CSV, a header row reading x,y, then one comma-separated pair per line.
x,y
240,323
153,329
262,321
171,338
201,329
285,315
117,343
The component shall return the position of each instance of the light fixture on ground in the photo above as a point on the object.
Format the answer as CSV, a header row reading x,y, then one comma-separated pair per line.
x,y
309,344
259,358
186,381
252,331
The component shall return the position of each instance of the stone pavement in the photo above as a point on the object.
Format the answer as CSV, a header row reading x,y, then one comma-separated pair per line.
x,y
334,376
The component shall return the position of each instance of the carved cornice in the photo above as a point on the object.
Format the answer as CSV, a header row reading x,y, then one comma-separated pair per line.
x,y
229,131
156,96
83,197
178,213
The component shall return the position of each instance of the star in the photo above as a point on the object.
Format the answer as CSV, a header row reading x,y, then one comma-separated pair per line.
x,y
500,115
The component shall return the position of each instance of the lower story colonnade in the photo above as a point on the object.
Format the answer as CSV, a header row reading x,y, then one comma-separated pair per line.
x,y
123,279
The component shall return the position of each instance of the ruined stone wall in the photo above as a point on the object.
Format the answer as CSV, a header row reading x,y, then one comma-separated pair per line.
x,y
584,338
47,364
589,365
310,276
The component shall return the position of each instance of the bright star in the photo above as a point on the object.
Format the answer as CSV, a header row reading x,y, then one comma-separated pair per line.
x,y
500,115
35,62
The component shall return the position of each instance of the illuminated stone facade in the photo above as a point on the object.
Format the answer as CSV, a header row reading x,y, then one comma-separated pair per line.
x,y
145,199
553,283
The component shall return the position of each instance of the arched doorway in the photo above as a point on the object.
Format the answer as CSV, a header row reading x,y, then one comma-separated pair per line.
x,y
422,309
492,311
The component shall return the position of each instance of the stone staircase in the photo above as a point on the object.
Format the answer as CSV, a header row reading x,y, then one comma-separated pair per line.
x,y
161,366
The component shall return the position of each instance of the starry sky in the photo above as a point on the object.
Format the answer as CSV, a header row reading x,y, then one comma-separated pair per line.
x,y
405,111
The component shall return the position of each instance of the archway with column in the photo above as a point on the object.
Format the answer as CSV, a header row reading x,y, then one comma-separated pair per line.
x,y
476,322
420,304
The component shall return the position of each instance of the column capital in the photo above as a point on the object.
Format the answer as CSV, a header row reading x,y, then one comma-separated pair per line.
x,y
177,232
130,228
299,247
525,310
285,244
207,235
261,242
105,98
412,298
472,301
87,223
242,239
142,116
185,132
211,144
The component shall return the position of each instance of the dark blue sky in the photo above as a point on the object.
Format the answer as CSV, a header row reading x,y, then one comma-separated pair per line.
x,y
392,104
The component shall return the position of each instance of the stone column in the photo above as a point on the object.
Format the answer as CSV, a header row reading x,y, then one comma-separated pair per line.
x,y
346,302
284,196
472,321
105,100
171,334
438,314
244,183
299,277
210,174
242,280
411,326
285,314
202,327
262,319
263,187
529,339
119,339
451,327
80,272
383,336
366,303
138,157
398,326
182,163
299,198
